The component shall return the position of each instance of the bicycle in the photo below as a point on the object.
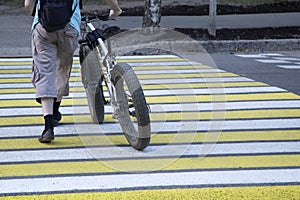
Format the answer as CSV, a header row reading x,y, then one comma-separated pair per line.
x,y
99,65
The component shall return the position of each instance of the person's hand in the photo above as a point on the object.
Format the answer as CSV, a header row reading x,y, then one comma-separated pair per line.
x,y
114,13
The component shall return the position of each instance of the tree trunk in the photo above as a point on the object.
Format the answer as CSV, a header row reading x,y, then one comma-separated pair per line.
x,y
152,13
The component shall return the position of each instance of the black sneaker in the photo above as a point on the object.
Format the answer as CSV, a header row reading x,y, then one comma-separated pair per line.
x,y
56,113
56,118
47,136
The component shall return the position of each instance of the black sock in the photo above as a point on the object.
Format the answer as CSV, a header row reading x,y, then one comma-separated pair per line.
x,y
48,122
55,108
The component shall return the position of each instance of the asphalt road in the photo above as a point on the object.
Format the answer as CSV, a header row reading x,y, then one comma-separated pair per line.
x,y
281,69
15,30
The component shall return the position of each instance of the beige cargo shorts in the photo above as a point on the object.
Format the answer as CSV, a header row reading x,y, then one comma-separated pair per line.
x,y
52,61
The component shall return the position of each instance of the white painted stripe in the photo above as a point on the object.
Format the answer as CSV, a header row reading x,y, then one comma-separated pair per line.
x,y
182,126
6,112
149,81
16,85
162,108
287,58
156,127
15,67
196,80
176,71
15,59
153,63
289,66
147,57
251,55
150,152
271,54
25,67
15,76
170,92
188,91
271,61
29,85
138,72
148,180
141,57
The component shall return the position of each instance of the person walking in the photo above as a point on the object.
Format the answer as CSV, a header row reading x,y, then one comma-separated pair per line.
x,y
52,51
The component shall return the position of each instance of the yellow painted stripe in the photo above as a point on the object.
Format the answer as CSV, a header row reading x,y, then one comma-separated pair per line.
x,y
222,98
239,114
141,77
172,99
32,90
10,63
15,71
176,67
161,67
149,60
25,71
32,102
203,85
32,169
38,120
102,140
150,87
220,193
13,63
15,80
195,75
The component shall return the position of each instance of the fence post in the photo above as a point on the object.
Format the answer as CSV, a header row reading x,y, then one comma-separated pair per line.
x,y
212,17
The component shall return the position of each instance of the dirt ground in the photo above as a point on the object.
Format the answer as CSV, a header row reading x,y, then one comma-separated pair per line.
x,y
197,7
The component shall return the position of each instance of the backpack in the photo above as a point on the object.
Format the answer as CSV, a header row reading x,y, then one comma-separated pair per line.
x,y
55,14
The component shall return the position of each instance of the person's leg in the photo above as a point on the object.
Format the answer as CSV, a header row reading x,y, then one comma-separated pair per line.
x,y
67,44
48,133
43,76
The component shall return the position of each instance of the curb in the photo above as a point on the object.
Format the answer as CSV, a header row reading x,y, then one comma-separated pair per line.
x,y
214,46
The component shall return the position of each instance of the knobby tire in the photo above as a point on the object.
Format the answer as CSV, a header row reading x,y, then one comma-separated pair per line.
x,y
138,133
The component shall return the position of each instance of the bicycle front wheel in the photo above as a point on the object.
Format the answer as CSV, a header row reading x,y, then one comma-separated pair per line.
x,y
131,106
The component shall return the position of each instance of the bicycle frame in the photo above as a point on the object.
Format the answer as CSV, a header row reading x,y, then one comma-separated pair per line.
x,y
108,60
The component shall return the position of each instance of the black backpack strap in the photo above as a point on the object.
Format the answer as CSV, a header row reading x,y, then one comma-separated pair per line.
x,y
34,8
80,4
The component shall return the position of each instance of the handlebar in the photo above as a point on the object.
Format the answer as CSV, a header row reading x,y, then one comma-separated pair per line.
x,y
102,17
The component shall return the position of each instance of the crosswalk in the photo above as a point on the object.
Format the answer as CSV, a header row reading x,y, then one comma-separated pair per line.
x,y
214,134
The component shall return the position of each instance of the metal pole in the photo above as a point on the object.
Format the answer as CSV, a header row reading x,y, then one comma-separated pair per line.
x,y
212,17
